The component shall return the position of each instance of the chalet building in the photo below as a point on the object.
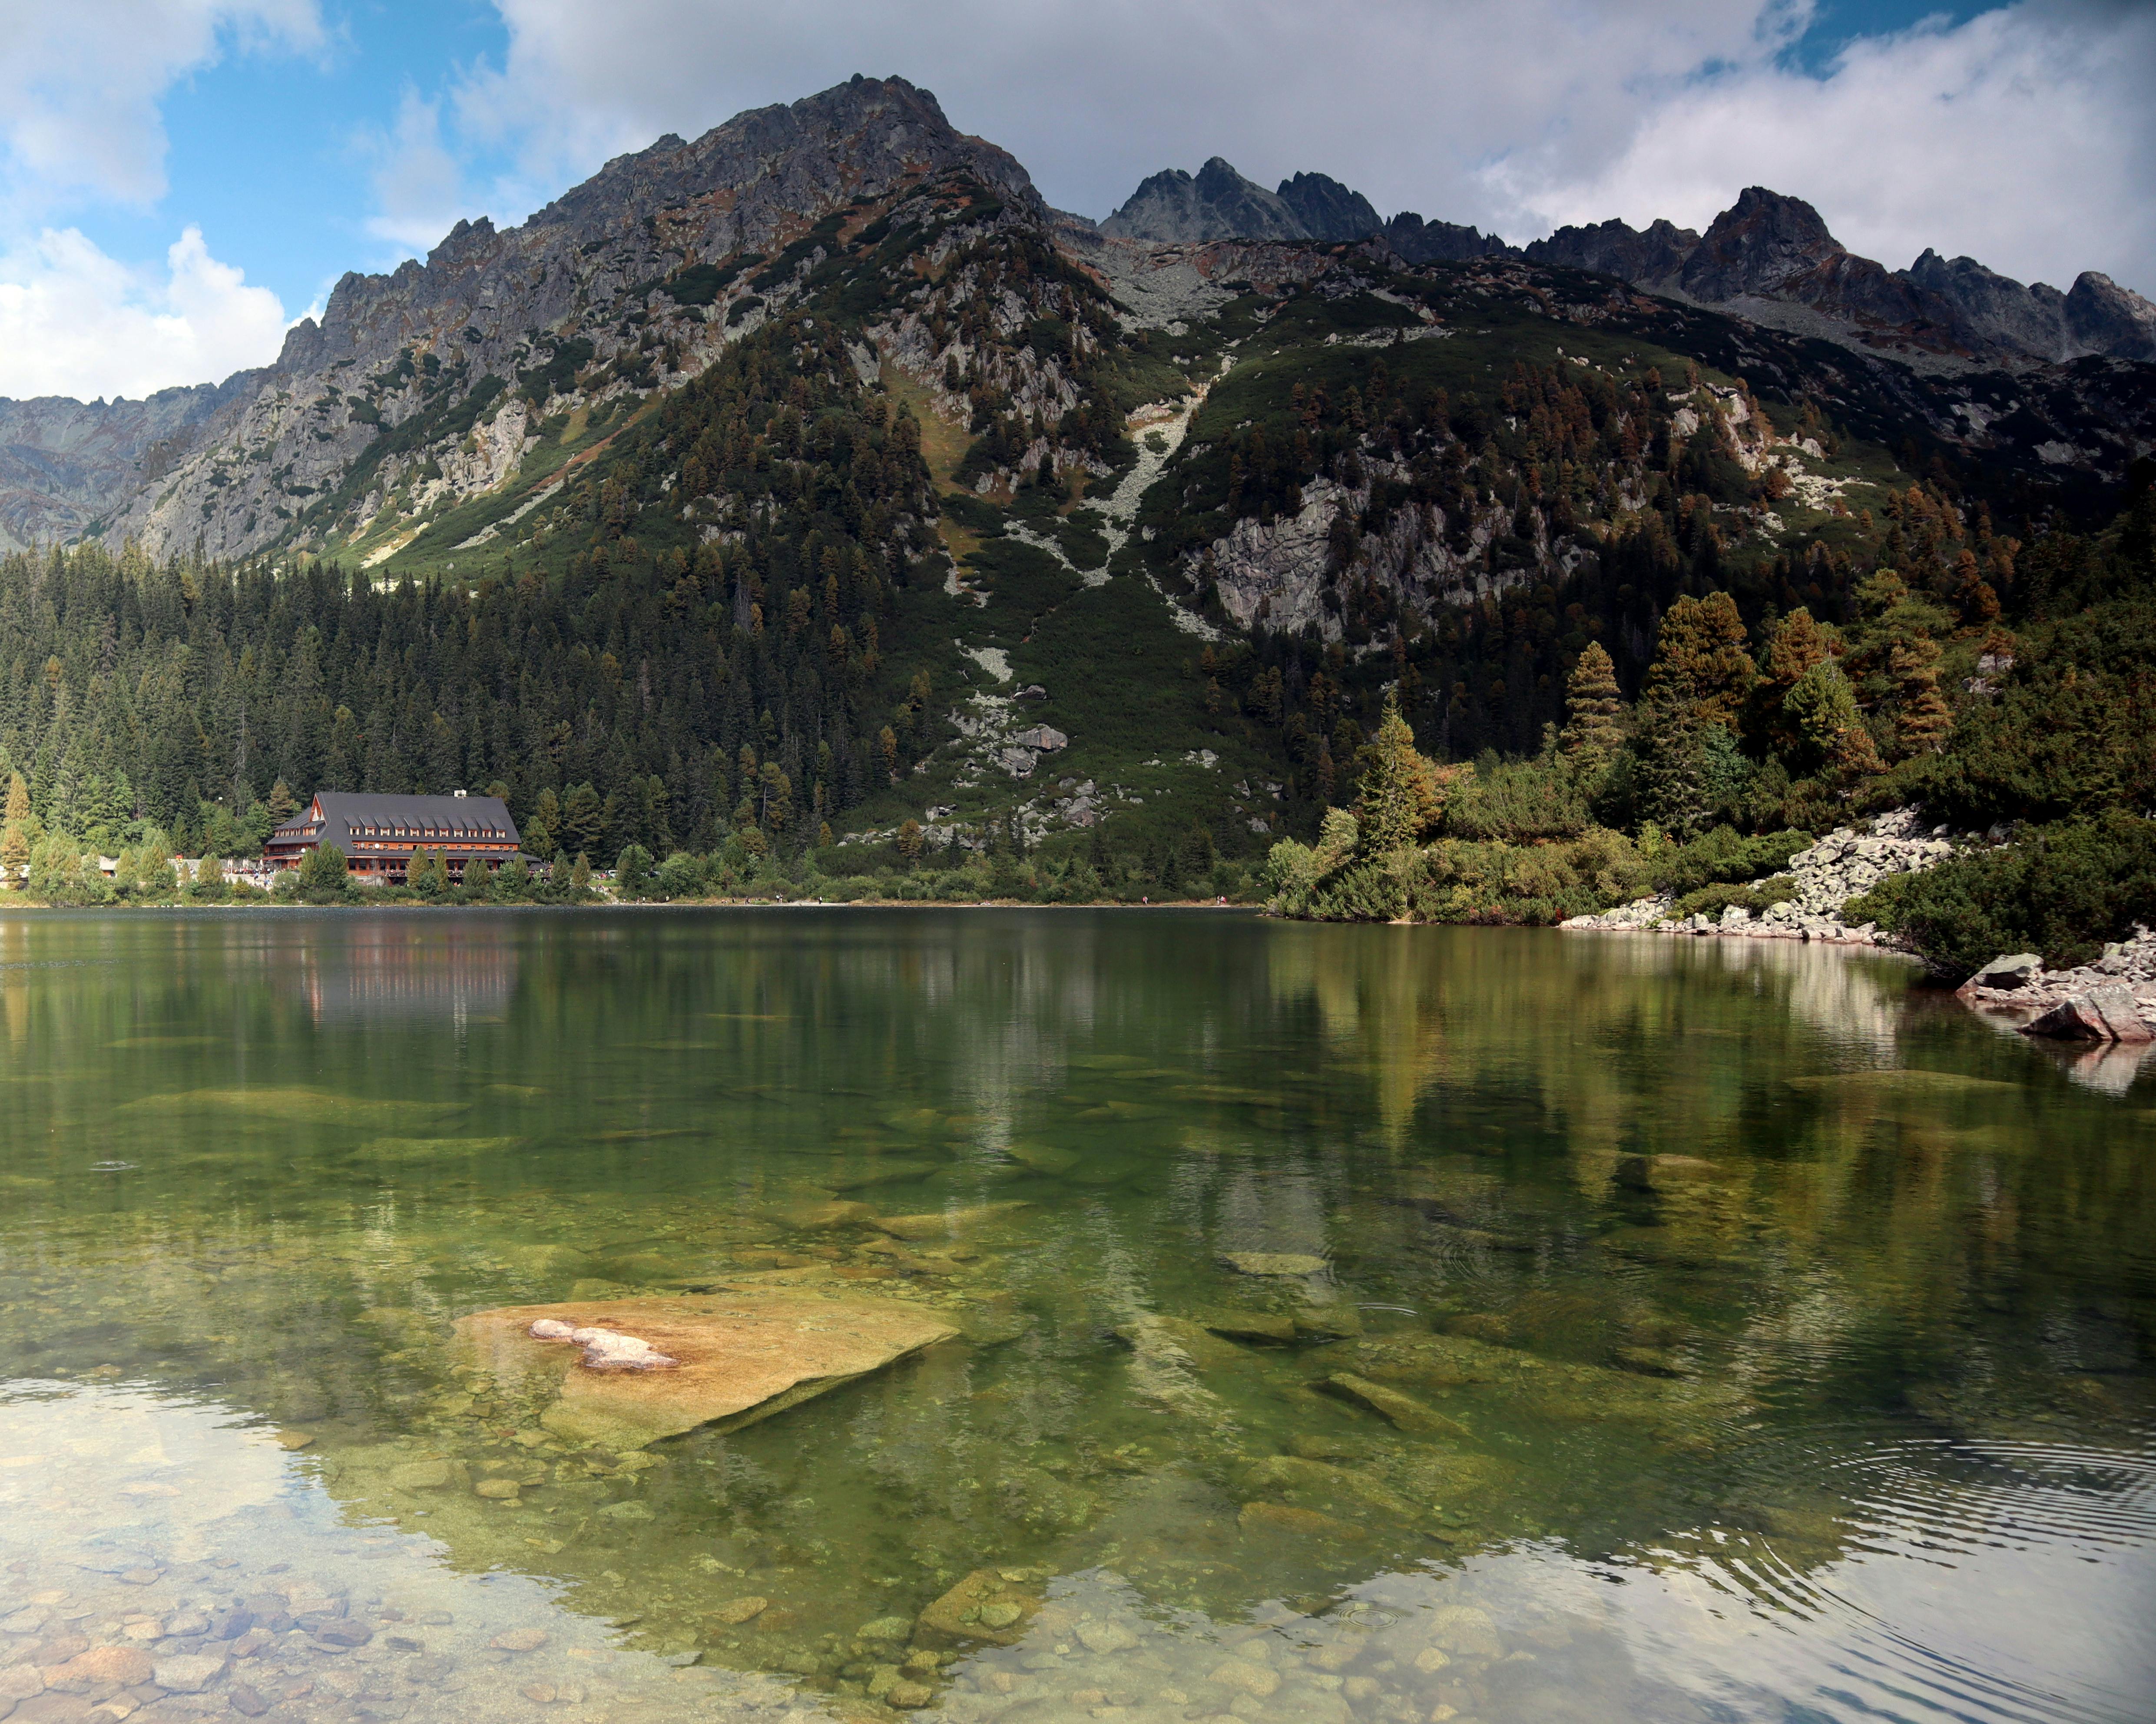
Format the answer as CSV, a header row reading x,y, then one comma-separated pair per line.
x,y
381,834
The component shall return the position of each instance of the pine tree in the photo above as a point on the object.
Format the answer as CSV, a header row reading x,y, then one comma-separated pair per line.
x,y
1594,708
1396,801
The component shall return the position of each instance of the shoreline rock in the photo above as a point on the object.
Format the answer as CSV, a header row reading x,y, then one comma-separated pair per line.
x,y
2112,999
1844,864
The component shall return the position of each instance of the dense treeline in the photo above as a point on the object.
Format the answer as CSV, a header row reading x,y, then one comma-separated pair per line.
x,y
662,698
2037,729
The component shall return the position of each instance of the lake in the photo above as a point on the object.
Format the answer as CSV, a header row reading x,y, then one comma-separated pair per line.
x,y
1346,1323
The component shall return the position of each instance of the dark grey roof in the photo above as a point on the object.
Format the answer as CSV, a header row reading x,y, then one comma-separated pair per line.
x,y
348,816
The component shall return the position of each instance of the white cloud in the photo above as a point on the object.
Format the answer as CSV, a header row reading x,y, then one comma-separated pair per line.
x,y
1403,98
73,321
2025,138
418,188
2022,135
80,83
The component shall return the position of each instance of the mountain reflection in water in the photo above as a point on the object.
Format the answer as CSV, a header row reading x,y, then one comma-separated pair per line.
x,y
1356,1323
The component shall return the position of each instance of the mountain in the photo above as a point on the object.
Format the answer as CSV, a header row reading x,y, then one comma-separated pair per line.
x,y
63,462
1769,249
1172,207
816,472
1326,209
384,398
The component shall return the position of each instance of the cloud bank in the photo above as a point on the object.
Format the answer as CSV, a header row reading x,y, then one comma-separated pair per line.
x,y
75,322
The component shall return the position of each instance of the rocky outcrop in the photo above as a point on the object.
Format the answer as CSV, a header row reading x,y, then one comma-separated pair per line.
x,y
1844,864
1774,248
1416,241
1327,209
2112,999
1284,573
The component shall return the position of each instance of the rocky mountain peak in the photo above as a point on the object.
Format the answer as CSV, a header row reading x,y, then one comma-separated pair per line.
x,y
1174,207
1756,244
1771,248
1328,210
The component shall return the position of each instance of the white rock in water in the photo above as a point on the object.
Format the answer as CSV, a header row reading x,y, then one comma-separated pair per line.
x,y
551,1329
606,1350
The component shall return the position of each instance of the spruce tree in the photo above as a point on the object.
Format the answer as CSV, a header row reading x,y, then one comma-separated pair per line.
x,y
1396,801
1594,708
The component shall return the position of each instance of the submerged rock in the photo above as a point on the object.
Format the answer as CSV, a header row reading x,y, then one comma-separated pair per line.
x,y
946,1224
741,1357
982,1607
1403,1411
1248,1325
1284,1265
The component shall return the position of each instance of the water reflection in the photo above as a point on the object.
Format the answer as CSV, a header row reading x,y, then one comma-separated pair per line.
x,y
1355,1323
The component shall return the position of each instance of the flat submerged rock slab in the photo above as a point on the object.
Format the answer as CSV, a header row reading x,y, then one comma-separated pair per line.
x,y
744,1355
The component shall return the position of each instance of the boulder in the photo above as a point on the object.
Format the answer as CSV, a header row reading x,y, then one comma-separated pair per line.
x,y
2007,970
2108,1013
743,1357
982,1607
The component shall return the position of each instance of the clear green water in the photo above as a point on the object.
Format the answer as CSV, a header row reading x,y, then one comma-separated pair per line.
x,y
1776,1344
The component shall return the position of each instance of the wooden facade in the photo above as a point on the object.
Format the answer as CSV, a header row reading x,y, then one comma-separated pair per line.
x,y
380,835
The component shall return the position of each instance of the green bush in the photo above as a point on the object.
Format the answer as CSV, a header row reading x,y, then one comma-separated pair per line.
x,y
1715,898
2062,890
1723,857
1517,801
323,875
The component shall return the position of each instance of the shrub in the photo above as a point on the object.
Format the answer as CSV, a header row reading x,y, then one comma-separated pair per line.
x,y
322,874
1715,898
2062,890
1721,856
1518,801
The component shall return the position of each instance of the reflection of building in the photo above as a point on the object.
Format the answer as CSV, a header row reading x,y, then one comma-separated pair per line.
x,y
400,970
381,834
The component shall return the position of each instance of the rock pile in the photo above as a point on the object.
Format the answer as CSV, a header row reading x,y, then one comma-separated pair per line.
x,y
2112,999
1843,865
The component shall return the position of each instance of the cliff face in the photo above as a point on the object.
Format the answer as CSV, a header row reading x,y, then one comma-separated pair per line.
x,y
411,374
63,462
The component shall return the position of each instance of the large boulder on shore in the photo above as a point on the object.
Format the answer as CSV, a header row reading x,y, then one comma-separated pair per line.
x,y
2108,1013
740,1357
2009,970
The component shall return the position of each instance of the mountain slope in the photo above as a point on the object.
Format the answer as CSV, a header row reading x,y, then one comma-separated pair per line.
x,y
821,444
63,462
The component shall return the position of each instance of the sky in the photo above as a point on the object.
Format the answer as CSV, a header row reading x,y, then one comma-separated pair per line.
x,y
180,179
